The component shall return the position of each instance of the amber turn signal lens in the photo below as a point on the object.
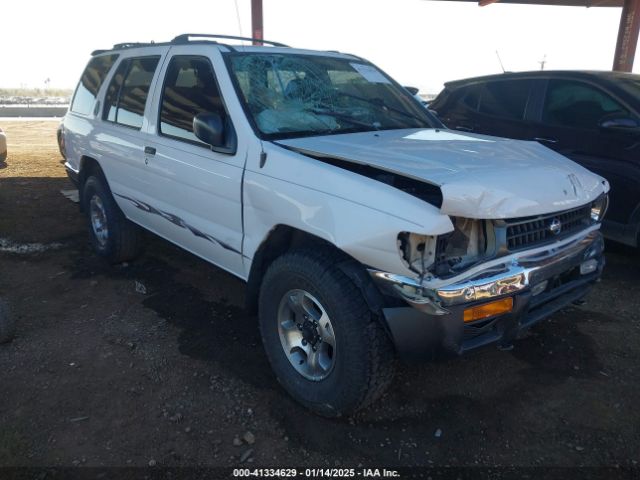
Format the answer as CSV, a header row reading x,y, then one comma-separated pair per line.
x,y
487,310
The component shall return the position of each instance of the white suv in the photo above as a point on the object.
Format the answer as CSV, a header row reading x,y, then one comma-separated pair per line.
x,y
364,229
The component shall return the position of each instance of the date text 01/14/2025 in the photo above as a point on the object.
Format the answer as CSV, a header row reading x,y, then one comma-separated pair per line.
x,y
316,473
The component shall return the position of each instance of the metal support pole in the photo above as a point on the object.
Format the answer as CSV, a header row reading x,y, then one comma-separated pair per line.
x,y
257,29
627,36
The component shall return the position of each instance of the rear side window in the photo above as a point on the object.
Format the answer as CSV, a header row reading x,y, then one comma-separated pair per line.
x,y
471,97
90,83
128,91
579,105
189,88
505,99
113,92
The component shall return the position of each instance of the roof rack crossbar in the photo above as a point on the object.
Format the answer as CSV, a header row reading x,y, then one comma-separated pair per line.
x,y
184,38
120,46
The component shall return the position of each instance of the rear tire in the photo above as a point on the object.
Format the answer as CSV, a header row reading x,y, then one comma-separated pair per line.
x,y
112,235
353,360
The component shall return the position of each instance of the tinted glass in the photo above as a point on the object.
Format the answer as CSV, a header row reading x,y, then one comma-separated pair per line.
x,y
505,99
577,104
113,92
632,85
471,97
134,91
189,89
90,83
292,95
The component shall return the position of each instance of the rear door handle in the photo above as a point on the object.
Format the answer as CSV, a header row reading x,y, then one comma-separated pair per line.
x,y
546,140
149,151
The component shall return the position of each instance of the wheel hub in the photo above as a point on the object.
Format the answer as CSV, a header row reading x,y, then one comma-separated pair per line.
x,y
98,217
306,335
310,333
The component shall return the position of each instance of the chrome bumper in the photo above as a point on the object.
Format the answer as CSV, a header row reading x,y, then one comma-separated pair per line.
x,y
504,276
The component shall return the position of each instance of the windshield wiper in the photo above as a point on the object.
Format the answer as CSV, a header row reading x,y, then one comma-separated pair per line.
x,y
316,133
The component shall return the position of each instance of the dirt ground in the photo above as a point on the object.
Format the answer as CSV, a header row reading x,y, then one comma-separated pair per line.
x,y
105,374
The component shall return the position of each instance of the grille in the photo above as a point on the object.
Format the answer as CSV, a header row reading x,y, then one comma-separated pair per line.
x,y
532,231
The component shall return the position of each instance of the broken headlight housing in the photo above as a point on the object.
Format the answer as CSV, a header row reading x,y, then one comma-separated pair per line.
x,y
599,208
417,251
445,254
463,247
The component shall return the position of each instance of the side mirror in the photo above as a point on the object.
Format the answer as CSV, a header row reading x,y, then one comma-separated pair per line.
x,y
209,127
617,122
412,90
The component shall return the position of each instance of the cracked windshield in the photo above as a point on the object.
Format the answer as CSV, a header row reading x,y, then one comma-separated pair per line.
x,y
290,95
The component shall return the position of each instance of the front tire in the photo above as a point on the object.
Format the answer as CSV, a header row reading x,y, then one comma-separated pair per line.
x,y
112,235
324,344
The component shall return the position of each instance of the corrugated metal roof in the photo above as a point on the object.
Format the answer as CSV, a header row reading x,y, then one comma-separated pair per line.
x,y
569,3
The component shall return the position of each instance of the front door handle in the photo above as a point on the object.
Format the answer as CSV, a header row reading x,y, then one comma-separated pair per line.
x,y
149,150
462,128
545,140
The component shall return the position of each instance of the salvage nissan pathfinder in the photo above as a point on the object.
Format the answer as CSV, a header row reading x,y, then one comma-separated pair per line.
x,y
364,229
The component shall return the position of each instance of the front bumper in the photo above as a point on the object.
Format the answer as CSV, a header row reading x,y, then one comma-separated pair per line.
x,y
541,281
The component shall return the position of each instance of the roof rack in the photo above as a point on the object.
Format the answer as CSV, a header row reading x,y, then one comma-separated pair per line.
x,y
120,46
184,38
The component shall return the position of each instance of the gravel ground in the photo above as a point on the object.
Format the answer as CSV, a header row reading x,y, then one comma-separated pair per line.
x,y
156,363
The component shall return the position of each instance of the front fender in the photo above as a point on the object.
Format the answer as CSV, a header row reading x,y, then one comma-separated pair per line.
x,y
357,214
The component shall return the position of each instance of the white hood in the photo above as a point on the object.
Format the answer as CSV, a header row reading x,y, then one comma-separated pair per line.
x,y
480,176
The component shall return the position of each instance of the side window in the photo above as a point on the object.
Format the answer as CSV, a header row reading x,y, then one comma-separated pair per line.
x,y
471,97
189,88
575,104
128,91
505,99
90,82
113,92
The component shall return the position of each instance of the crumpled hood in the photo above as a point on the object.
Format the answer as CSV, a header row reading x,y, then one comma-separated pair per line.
x,y
480,176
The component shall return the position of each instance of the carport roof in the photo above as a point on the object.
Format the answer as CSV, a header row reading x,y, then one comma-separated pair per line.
x,y
627,34
567,3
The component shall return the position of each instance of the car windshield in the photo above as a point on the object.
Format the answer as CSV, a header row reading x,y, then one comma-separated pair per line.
x,y
293,95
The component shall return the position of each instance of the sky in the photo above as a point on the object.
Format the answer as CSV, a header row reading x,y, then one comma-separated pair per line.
x,y
420,43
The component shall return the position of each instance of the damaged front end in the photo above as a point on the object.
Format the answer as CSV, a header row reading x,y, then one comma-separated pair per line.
x,y
470,242
489,280
504,263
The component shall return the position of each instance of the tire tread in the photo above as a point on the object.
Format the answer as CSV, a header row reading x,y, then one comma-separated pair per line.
x,y
126,240
378,365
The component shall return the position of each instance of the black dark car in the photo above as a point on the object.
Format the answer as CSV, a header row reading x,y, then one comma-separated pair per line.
x,y
591,117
